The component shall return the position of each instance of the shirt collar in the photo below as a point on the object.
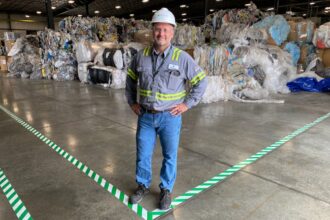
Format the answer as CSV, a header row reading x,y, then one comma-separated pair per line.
x,y
165,52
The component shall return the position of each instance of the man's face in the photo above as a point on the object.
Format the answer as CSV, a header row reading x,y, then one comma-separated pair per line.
x,y
162,34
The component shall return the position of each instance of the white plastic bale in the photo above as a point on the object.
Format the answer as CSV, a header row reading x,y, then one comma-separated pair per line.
x,y
118,79
83,71
215,90
84,52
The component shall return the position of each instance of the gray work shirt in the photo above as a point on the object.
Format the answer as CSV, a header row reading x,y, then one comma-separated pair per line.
x,y
162,79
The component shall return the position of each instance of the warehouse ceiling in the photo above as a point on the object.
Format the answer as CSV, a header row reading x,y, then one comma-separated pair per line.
x,y
194,10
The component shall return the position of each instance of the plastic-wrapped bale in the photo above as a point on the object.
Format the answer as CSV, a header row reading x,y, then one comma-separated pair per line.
x,y
66,66
277,27
113,57
211,59
118,79
273,61
100,75
294,51
143,36
307,54
321,37
239,34
301,31
83,71
215,90
188,36
84,52
26,59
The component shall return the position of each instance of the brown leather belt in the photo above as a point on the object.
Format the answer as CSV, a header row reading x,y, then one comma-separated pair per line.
x,y
151,111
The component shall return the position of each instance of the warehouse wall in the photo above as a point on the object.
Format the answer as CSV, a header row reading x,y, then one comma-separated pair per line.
x,y
21,24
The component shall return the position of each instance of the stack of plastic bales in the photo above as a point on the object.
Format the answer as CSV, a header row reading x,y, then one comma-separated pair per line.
x,y
188,36
105,63
26,62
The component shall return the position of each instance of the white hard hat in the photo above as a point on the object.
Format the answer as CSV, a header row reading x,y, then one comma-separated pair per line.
x,y
163,16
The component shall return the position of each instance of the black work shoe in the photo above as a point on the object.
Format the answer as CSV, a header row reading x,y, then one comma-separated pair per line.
x,y
165,199
138,195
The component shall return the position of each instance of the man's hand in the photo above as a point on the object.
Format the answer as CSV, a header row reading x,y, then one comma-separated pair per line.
x,y
136,108
179,109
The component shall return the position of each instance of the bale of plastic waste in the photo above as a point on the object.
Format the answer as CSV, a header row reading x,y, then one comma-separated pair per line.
x,y
294,51
321,37
277,28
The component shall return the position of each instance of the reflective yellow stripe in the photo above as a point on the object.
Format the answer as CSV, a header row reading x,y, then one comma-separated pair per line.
x,y
162,96
170,97
178,55
146,51
174,53
198,77
145,92
131,74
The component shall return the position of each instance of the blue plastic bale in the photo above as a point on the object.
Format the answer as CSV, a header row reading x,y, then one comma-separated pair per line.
x,y
309,84
277,27
294,51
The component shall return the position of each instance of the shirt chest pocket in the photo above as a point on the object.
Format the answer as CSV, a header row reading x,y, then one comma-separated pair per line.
x,y
174,79
145,77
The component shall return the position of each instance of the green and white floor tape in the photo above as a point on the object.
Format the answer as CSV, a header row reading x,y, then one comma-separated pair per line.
x,y
15,202
230,171
138,209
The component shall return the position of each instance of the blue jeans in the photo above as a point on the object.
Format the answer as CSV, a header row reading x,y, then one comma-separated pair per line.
x,y
168,128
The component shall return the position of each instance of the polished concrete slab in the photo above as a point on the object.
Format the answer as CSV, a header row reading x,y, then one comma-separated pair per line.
x,y
97,127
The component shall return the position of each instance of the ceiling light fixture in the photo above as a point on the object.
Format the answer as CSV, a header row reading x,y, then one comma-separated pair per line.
x,y
131,15
118,7
211,10
218,0
38,12
79,15
247,5
184,14
304,14
185,19
70,1
327,8
27,16
53,7
312,3
97,12
182,6
145,1
153,11
270,9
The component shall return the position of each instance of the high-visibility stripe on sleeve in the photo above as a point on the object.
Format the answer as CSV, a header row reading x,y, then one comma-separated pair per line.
x,y
131,74
147,51
178,55
201,75
174,53
145,93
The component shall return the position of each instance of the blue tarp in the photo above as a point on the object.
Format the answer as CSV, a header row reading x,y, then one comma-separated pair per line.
x,y
309,84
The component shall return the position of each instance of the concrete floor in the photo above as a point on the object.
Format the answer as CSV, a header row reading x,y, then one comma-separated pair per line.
x,y
97,127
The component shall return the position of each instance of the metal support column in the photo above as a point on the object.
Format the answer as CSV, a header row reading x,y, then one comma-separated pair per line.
x,y
9,21
87,9
50,17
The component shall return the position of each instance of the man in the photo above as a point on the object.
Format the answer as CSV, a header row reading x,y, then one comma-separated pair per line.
x,y
162,71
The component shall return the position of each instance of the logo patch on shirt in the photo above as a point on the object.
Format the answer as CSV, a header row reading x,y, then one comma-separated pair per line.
x,y
173,67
